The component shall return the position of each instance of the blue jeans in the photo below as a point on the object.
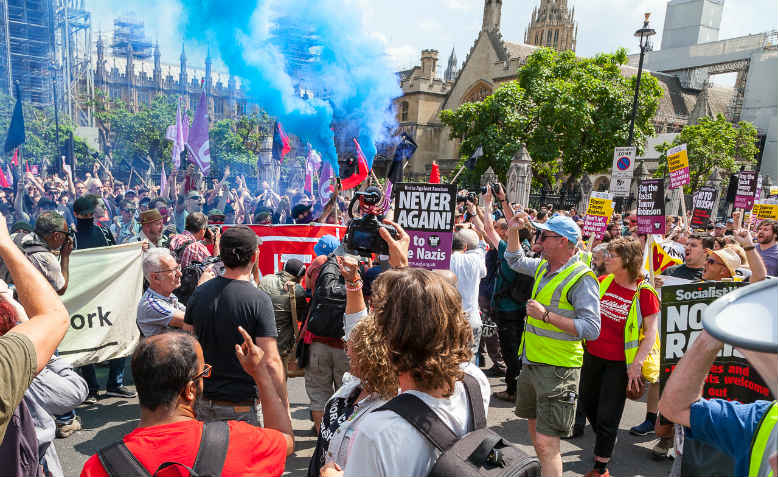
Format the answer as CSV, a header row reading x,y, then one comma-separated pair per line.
x,y
115,375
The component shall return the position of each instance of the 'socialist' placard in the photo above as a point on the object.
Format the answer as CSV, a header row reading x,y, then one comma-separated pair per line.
x,y
597,214
678,165
703,202
731,377
651,206
426,212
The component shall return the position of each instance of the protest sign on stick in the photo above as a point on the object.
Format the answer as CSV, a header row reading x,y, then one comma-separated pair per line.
x,y
746,188
651,206
426,212
731,376
678,165
104,290
598,213
702,207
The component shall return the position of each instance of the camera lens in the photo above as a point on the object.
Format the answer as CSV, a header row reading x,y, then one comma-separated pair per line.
x,y
483,190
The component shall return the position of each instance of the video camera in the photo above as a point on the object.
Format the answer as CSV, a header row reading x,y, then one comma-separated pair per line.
x,y
494,188
362,234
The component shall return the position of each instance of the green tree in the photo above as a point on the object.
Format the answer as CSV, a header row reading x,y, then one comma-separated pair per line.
x,y
239,140
570,113
712,143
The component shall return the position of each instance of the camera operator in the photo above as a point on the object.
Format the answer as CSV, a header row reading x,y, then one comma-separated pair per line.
x,y
189,246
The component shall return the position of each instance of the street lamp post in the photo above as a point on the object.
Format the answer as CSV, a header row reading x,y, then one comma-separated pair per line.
x,y
644,34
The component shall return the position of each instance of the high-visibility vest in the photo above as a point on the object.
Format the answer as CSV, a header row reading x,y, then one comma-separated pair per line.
x,y
634,318
762,445
586,258
545,343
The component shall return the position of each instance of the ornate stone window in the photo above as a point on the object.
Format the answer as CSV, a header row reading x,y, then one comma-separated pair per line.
x,y
477,93
404,111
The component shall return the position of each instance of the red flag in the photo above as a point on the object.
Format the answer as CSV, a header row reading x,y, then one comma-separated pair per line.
x,y
435,174
15,160
361,174
281,145
3,181
26,166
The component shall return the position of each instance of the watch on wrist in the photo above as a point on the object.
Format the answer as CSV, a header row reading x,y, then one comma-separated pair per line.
x,y
545,316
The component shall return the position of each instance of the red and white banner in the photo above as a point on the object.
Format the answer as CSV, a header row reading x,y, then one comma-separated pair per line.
x,y
279,243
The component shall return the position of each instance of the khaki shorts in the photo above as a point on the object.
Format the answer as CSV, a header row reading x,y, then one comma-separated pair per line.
x,y
548,394
324,373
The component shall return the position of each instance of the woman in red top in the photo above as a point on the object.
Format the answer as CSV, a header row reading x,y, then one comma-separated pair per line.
x,y
605,375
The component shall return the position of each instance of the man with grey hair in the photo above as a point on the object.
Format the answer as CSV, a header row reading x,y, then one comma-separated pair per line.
x,y
159,309
51,233
468,263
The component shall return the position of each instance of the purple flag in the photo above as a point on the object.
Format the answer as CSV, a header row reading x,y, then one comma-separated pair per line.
x,y
325,182
179,140
312,165
198,144
387,195
163,182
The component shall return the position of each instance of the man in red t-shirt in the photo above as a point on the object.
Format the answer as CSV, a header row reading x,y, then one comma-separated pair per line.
x,y
168,370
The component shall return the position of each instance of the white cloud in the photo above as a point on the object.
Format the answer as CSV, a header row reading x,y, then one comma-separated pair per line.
x,y
403,57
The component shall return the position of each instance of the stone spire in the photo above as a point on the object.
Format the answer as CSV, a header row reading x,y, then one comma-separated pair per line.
x,y
100,67
157,66
552,25
182,76
492,14
208,79
451,69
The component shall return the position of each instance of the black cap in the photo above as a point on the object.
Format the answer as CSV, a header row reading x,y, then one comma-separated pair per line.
x,y
239,240
85,205
300,209
294,267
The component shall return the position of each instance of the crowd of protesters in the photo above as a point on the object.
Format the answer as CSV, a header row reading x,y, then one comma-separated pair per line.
x,y
570,321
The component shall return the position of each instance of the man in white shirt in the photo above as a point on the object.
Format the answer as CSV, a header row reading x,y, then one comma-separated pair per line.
x,y
469,265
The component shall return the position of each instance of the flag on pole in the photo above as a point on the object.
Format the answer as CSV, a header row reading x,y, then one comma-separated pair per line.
x,y
403,151
16,135
163,182
312,165
179,140
280,143
326,177
26,166
198,144
9,175
387,195
656,257
3,181
360,174
435,174
15,160
471,161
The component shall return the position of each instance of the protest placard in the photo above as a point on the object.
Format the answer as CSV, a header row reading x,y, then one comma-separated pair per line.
x,y
703,203
621,173
678,165
426,212
598,213
104,290
746,187
731,376
651,206
764,209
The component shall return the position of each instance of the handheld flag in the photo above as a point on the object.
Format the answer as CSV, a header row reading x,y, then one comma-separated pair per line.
x,y
16,135
471,161
325,182
26,166
280,143
360,174
15,159
435,174
163,182
9,175
3,181
312,164
656,257
179,141
198,144
404,151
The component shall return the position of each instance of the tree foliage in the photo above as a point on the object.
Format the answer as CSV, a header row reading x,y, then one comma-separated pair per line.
x,y
570,113
713,143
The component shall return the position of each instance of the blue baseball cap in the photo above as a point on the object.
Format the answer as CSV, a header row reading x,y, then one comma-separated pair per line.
x,y
326,245
561,225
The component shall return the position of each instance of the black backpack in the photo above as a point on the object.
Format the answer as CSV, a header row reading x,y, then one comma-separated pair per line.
x,y
329,301
190,276
481,452
118,461
518,290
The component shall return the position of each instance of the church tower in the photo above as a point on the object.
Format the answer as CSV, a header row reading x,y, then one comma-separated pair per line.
x,y
552,25
451,69
492,13
182,76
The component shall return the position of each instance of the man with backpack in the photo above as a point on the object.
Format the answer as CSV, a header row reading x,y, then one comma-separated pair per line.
x,y
188,247
170,372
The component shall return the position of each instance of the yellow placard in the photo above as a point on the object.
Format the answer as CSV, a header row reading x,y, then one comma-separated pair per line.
x,y
766,211
677,158
600,207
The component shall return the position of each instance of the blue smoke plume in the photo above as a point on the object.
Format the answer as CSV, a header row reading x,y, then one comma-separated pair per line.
x,y
310,63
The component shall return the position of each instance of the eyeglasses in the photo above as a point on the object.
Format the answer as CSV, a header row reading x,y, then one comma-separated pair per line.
x,y
176,269
545,236
712,261
206,373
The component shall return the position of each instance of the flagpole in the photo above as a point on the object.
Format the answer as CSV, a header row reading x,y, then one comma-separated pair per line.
x,y
454,179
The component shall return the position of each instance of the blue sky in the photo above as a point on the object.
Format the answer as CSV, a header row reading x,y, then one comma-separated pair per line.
x,y
408,26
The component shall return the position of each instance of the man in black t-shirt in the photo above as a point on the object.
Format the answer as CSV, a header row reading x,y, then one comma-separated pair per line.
x,y
694,259
216,309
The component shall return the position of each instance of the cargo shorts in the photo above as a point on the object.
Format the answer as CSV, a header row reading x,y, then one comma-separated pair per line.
x,y
548,394
324,373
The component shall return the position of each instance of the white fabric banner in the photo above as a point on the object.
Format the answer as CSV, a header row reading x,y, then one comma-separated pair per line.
x,y
104,289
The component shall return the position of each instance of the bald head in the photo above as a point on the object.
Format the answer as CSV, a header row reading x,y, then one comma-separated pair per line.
x,y
162,365
448,276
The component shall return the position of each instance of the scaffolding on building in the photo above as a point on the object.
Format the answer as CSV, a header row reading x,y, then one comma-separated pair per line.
x,y
129,36
73,59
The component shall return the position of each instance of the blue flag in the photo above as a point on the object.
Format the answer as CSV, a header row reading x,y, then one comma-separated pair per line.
x,y
16,135
403,152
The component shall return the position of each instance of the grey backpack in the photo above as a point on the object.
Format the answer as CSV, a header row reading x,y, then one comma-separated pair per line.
x,y
481,452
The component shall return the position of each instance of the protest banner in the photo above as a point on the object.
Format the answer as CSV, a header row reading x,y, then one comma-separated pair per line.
x,y
731,376
279,243
678,165
426,212
764,209
746,187
104,289
651,206
621,173
598,213
702,207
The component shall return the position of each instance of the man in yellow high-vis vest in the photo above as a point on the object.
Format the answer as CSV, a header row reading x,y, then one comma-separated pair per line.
x,y
745,319
564,309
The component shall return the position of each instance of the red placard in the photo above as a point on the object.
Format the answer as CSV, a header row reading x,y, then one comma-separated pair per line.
x,y
279,243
